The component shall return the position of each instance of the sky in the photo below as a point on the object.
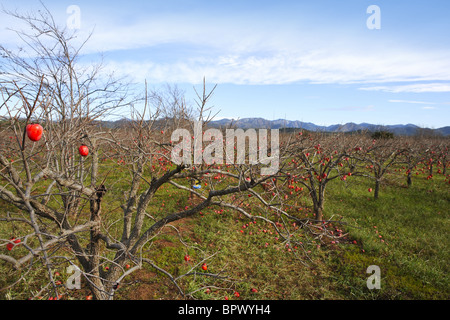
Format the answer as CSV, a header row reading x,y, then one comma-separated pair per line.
x,y
325,62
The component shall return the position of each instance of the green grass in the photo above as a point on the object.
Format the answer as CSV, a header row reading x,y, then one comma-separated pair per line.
x,y
412,252
413,223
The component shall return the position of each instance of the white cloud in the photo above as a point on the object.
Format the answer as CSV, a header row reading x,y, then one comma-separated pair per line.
x,y
411,101
302,66
352,108
415,88
237,50
226,49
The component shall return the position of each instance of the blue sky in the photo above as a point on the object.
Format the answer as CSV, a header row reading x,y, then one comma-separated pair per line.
x,y
315,61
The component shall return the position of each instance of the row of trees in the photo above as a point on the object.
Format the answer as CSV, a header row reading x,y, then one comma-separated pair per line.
x,y
56,197
316,159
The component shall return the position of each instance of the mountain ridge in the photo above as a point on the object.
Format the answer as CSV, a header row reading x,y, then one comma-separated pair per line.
x,y
398,129
261,123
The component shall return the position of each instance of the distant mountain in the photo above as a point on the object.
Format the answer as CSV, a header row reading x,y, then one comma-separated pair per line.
x,y
261,123
445,131
258,123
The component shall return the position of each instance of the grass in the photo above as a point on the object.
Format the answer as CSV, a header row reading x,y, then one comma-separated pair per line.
x,y
412,251
404,232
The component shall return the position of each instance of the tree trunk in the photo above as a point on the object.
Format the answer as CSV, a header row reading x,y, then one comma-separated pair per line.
x,y
319,203
318,213
95,283
377,188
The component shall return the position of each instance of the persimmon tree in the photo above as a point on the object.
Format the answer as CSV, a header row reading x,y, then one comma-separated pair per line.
x,y
43,82
413,154
436,154
318,159
444,158
55,196
378,157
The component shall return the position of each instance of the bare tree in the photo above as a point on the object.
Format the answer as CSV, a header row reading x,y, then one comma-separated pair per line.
x,y
318,159
378,157
58,194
